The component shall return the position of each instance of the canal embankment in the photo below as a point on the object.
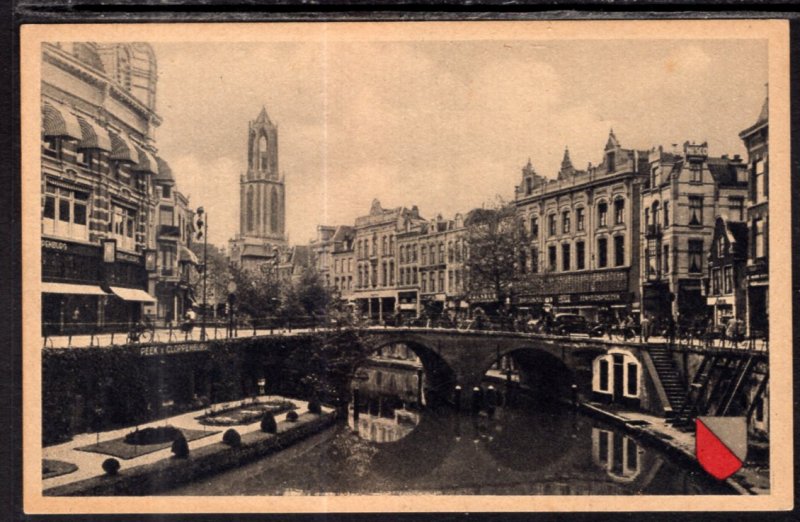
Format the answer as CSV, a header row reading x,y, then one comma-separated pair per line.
x,y
163,471
752,479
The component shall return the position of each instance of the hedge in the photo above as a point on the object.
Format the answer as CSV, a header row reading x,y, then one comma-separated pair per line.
x,y
148,479
91,389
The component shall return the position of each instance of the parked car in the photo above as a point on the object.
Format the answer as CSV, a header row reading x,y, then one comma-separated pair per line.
x,y
570,323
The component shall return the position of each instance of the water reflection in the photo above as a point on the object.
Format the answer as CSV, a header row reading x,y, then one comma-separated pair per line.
x,y
392,443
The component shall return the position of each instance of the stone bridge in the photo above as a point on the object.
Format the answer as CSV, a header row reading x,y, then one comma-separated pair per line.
x,y
461,357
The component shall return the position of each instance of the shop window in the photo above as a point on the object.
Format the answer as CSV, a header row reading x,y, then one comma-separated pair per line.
x,y
695,256
602,214
695,211
580,219
565,257
602,252
619,250
551,257
580,255
65,213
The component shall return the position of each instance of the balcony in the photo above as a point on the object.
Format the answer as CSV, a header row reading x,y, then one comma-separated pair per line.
x,y
168,232
652,231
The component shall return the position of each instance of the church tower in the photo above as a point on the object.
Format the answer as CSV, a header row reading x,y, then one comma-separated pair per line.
x,y
263,194
262,197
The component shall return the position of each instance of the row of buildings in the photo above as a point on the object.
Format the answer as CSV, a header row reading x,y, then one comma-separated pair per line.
x,y
116,231
656,232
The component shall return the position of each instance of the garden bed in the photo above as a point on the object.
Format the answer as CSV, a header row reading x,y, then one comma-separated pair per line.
x,y
122,449
245,413
55,468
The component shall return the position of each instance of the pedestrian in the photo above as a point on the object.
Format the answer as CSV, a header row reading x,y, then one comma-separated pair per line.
x,y
644,333
731,333
671,325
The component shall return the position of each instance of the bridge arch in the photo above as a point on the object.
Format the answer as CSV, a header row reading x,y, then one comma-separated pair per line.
x,y
542,371
439,376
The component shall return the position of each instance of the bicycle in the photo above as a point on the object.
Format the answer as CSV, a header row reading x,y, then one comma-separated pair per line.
x,y
141,333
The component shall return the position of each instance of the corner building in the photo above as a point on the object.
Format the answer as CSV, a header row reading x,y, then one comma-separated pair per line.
x,y
102,187
683,195
583,228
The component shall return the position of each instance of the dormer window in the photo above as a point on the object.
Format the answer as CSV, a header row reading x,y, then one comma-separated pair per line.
x,y
612,161
528,186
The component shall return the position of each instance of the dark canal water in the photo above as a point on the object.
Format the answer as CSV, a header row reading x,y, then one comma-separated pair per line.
x,y
400,446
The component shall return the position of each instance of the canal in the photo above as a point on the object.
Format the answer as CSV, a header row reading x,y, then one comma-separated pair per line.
x,y
398,444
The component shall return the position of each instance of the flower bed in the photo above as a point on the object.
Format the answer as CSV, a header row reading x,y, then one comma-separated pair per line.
x,y
157,435
245,413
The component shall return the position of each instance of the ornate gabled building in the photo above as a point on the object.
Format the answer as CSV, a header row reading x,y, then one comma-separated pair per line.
x,y
262,199
583,228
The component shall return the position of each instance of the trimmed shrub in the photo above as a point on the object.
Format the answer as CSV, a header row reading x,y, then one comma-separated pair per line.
x,y
268,424
291,416
232,438
314,406
111,466
180,447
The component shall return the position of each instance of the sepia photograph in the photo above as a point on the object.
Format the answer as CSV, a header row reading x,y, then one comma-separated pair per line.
x,y
495,266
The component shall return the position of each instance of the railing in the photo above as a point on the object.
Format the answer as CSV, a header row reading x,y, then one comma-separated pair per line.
x,y
120,333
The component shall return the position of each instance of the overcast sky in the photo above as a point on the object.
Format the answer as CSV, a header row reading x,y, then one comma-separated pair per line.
x,y
442,125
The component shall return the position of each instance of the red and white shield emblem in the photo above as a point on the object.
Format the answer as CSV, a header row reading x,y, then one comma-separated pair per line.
x,y
721,444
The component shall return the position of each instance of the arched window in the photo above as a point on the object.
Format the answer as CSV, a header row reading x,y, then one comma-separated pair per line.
x,y
249,209
258,210
274,205
262,152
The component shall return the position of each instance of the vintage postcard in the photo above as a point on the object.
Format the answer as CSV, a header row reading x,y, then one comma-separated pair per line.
x,y
478,266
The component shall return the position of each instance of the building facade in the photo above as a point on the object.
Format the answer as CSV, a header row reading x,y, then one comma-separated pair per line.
x,y
756,140
681,199
726,287
583,228
262,199
100,179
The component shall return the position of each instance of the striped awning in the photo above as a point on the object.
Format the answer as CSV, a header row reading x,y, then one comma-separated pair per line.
x,y
59,122
122,149
187,256
93,136
147,162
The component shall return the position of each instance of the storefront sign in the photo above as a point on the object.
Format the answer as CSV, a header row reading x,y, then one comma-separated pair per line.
x,y
130,258
155,350
54,245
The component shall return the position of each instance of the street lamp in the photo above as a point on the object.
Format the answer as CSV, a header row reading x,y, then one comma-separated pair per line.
x,y
202,233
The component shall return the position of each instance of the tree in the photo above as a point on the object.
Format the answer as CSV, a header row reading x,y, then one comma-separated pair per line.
x,y
219,273
495,238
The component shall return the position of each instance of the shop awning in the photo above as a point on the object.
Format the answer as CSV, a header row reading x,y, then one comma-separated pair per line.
x,y
187,255
70,288
122,149
132,294
58,121
146,163
93,136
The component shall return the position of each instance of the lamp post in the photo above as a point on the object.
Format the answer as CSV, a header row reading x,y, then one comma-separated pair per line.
x,y
202,232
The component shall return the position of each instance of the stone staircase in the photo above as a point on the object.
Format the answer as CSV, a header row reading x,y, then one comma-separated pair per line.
x,y
670,379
